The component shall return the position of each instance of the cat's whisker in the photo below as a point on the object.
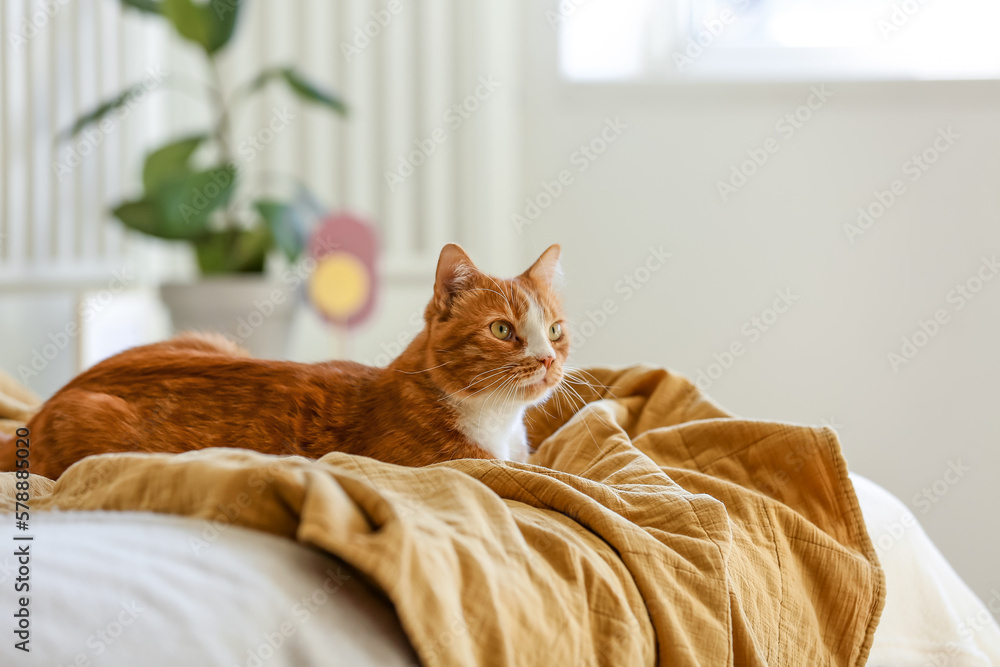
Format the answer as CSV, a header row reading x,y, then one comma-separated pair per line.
x,y
524,302
577,382
578,374
563,389
506,389
477,392
500,373
574,396
495,371
485,289
492,370
571,403
493,393
574,385
540,406
558,391
510,378
566,397
423,371
603,390
558,398
510,394
583,419
573,390
502,294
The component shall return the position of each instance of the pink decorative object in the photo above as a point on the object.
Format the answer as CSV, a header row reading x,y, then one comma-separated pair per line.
x,y
345,282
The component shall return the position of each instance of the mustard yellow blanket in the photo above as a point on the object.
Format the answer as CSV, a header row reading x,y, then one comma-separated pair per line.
x,y
650,528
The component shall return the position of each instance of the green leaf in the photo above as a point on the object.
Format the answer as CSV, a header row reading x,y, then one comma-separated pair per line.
x,y
169,163
262,80
212,251
141,215
181,208
188,20
210,25
301,86
285,224
152,217
251,249
186,205
148,6
97,114
222,22
233,250
313,93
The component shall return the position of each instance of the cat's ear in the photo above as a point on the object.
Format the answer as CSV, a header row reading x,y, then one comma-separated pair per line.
x,y
454,270
546,270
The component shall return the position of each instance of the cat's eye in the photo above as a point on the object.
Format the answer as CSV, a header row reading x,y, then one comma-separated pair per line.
x,y
555,331
501,329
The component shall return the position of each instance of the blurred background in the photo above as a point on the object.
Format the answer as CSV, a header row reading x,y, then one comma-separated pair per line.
x,y
792,202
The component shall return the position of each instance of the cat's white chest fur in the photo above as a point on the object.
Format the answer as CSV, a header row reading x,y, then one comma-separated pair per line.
x,y
496,428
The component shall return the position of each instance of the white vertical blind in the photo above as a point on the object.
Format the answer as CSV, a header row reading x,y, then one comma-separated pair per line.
x,y
360,151
58,61
15,123
437,56
400,76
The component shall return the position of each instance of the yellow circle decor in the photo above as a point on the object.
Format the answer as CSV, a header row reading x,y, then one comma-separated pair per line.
x,y
340,285
344,281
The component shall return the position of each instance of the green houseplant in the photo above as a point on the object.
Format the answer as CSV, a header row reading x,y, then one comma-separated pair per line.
x,y
190,193
185,202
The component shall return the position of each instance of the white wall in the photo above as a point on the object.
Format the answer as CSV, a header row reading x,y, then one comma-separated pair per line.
x,y
825,359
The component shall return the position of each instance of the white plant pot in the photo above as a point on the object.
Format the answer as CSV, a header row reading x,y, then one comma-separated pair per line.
x,y
253,311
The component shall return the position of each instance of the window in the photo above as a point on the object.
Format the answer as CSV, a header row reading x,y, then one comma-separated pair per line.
x,y
774,40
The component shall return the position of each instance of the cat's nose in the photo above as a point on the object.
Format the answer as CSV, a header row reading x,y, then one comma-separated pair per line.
x,y
546,361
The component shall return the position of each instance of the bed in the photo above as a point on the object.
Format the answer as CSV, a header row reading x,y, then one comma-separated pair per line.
x,y
649,528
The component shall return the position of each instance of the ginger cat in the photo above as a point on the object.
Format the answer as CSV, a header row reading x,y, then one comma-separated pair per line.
x,y
489,349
